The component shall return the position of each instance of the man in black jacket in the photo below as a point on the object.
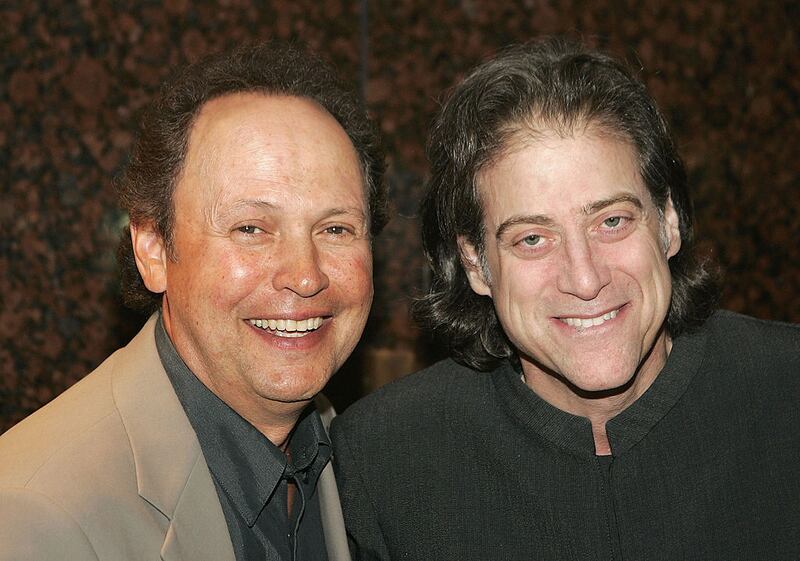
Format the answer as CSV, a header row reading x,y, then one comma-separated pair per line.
x,y
597,406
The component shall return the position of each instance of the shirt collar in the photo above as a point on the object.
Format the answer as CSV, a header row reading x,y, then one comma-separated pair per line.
x,y
245,464
563,429
634,423
574,433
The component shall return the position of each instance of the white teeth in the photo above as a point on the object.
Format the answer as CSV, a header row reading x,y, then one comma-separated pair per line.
x,y
585,323
288,327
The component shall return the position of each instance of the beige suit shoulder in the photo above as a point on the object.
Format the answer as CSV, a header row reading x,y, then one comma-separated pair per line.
x,y
57,428
34,528
68,477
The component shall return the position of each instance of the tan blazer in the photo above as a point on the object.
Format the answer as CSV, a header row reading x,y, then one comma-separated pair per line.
x,y
112,470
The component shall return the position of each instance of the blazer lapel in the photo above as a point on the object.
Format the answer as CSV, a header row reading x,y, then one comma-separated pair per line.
x,y
330,507
171,472
194,533
332,520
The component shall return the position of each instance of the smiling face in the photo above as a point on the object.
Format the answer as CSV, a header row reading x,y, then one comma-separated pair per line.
x,y
575,262
271,281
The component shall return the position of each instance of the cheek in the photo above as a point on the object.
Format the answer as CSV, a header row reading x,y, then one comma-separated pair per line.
x,y
523,284
650,271
653,264
663,283
242,269
353,273
229,276
641,259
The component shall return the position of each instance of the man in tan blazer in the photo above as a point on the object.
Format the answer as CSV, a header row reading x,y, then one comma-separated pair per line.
x,y
253,191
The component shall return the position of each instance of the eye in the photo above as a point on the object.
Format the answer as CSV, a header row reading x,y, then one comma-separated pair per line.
x,y
532,245
615,227
531,240
336,230
341,231
249,229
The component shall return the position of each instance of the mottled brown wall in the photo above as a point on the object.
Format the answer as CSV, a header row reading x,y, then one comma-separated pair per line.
x,y
74,74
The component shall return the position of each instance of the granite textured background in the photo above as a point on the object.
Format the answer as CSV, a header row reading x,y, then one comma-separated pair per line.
x,y
74,75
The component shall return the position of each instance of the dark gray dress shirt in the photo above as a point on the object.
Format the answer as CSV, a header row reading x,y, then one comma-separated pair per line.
x,y
250,473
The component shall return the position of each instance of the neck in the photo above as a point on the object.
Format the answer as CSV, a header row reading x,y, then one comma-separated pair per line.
x,y
277,426
602,447
274,419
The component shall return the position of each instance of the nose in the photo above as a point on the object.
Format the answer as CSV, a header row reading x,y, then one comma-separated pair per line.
x,y
583,273
299,269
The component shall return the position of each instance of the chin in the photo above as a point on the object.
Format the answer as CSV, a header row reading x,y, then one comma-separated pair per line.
x,y
289,396
293,391
603,385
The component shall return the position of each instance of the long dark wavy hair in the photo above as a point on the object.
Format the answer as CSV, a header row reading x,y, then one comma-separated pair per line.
x,y
553,83
145,188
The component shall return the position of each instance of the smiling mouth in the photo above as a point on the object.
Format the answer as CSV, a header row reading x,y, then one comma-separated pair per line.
x,y
288,327
585,323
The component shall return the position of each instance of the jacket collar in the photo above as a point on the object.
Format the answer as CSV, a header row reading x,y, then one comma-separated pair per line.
x,y
329,504
171,472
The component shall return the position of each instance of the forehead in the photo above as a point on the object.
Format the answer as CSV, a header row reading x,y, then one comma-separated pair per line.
x,y
250,140
245,121
551,172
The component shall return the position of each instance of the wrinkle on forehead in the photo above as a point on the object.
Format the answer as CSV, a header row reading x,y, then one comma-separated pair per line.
x,y
257,165
534,128
233,157
531,133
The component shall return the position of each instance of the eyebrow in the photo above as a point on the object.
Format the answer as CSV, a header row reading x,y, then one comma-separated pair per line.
x,y
216,213
530,219
352,211
591,208
544,220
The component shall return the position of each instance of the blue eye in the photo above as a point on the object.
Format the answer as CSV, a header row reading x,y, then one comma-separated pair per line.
x,y
613,222
531,240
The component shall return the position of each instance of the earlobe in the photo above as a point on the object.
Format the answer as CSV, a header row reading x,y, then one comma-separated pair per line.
x,y
672,229
151,256
471,262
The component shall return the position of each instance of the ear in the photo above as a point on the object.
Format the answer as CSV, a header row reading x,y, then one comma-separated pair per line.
x,y
672,229
151,256
471,262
